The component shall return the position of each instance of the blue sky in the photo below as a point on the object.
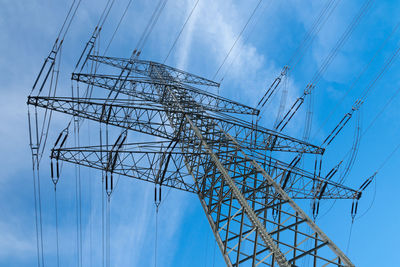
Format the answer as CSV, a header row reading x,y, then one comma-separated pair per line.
x,y
28,29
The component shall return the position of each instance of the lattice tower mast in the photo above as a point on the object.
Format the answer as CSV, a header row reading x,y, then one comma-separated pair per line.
x,y
247,196
205,144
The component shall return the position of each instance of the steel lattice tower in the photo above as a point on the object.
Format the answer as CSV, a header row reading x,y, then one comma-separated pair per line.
x,y
207,146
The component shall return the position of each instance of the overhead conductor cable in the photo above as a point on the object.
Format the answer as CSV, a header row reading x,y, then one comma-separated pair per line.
x,y
317,76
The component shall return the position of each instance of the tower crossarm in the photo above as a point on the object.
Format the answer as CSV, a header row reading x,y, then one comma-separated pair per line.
x,y
148,117
144,119
299,183
253,137
148,68
134,161
142,161
144,88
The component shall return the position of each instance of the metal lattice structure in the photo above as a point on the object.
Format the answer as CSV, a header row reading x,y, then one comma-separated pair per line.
x,y
250,180
206,146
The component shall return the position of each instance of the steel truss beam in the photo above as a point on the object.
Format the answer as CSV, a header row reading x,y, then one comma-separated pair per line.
x,y
148,117
150,68
144,119
134,161
144,88
143,161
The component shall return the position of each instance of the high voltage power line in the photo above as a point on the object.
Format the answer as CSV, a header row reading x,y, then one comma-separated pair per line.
x,y
205,144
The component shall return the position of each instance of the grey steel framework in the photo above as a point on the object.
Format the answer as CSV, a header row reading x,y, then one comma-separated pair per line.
x,y
207,146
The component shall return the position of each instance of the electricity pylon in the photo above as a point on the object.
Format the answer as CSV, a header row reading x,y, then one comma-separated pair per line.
x,y
206,145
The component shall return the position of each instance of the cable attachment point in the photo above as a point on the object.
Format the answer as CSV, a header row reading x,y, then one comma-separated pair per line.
x,y
295,107
364,185
55,154
285,70
56,177
157,196
358,195
272,88
113,157
356,106
367,183
109,184
354,208
308,89
315,208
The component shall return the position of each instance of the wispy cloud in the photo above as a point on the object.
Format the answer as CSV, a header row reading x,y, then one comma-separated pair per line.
x,y
29,31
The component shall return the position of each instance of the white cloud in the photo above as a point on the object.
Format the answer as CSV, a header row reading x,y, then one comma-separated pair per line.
x,y
15,240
